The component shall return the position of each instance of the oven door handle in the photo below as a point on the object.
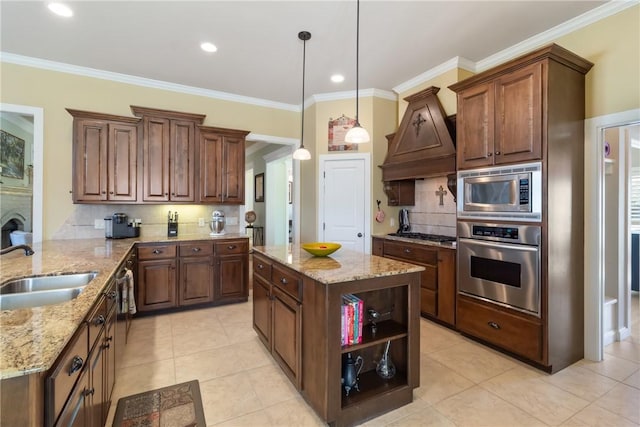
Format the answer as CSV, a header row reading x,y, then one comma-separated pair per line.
x,y
498,245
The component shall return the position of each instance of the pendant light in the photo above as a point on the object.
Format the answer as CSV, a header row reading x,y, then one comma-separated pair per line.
x,y
357,134
302,153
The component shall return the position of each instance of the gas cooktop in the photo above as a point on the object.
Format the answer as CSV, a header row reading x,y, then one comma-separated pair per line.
x,y
422,236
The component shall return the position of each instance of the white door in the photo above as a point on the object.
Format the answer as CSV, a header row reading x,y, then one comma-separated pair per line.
x,y
344,195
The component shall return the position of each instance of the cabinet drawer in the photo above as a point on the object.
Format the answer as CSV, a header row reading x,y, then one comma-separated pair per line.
x,y
428,301
409,252
156,252
66,372
288,281
195,249
509,331
111,296
96,321
262,267
235,247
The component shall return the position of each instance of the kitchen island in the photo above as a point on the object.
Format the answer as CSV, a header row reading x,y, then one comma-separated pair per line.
x,y
297,314
33,341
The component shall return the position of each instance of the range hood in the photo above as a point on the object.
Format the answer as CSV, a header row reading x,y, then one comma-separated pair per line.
x,y
423,146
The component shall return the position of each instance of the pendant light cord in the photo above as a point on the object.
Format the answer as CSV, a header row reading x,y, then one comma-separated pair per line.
x,y
304,60
357,58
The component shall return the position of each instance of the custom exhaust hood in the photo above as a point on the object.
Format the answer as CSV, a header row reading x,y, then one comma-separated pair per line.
x,y
423,146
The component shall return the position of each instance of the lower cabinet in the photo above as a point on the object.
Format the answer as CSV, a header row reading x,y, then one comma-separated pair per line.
x,y
76,412
189,273
277,315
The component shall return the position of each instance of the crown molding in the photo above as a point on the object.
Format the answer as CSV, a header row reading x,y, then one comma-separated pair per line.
x,y
453,63
140,81
351,94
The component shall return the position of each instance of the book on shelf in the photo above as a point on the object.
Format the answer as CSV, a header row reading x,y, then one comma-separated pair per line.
x,y
352,319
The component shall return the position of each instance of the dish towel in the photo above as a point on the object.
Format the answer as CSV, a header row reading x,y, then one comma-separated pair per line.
x,y
131,299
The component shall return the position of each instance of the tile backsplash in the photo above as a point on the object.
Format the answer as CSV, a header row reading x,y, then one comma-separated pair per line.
x,y
81,223
427,216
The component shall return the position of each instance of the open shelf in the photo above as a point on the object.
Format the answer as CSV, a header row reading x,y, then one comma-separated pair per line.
x,y
387,330
371,385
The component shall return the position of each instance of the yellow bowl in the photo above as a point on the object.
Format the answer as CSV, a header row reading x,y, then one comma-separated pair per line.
x,y
321,248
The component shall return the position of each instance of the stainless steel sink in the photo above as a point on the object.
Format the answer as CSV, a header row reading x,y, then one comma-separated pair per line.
x,y
42,290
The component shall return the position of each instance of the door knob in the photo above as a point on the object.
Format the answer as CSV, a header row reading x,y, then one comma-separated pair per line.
x,y
359,234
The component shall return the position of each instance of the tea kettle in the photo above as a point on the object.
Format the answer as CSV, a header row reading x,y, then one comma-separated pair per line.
x,y
350,371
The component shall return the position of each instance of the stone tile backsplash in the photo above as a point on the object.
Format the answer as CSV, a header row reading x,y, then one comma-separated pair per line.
x,y
427,216
81,223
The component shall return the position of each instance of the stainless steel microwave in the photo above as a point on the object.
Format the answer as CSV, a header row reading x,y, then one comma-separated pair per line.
x,y
512,192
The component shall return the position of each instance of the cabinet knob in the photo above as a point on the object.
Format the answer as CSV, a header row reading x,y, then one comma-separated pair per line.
x,y
497,153
99,320
76,364
157,251
407,250
103,192
230,247
173,194
166,194
110,192
110,338
89,392
106,346
196,249
260,267
284,281
111,295
359,234
494,325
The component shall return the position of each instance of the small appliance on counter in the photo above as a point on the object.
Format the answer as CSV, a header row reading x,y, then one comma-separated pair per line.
x,y
117,226
217,223
172,224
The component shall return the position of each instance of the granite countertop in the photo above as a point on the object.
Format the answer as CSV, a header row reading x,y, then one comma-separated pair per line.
x,y
341,266
32,338
446,245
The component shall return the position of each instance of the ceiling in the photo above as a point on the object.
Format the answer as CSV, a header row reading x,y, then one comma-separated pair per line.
x,y
259,54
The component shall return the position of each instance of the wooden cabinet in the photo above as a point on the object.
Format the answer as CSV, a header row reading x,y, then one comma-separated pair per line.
x,y
232,263
277,314
221,159
196,267
168,154
156,278
400,193
105,158
437,281
504,114
190,273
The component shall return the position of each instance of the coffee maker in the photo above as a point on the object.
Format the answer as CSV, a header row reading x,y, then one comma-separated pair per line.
x,y
117,226
403,221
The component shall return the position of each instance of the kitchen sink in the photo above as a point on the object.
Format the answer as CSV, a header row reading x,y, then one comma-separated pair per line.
x,y
43,290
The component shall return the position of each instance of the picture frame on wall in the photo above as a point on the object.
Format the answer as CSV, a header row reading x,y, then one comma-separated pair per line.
x,y
11,155
259,187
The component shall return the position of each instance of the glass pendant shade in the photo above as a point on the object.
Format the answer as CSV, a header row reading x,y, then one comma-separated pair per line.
x,y
301,154
357,135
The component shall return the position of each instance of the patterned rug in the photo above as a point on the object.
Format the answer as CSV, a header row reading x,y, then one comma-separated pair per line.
x,y
174,406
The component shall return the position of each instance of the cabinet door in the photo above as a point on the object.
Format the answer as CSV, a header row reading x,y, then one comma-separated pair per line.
x,y
109,360
475,126
182,161
196,280
156,285
95,407
447,286
262,310
518,115
123,162
75,412
210,163
232,169
232,277
155,159
90,160
287,327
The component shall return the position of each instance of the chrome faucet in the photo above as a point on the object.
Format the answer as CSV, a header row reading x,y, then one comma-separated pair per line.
x,y
27,249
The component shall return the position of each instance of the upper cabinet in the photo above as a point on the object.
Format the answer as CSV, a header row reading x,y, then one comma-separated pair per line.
x,y
105,157
158,157
168,154
504,113
221,165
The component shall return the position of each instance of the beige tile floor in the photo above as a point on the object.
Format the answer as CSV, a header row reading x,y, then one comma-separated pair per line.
x,y
463,382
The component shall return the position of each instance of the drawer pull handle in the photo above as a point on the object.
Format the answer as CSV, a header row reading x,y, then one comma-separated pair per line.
x,y
106,346
284,281
111,295
76,364
231,247
494,325
407,250
260,267
99,320
157,251
196,249
89,392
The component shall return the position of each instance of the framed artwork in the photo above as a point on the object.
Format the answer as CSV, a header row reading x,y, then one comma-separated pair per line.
x,y
338,129
259,187
11,155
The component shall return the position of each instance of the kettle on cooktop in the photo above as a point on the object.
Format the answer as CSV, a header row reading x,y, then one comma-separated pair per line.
x,y
403,221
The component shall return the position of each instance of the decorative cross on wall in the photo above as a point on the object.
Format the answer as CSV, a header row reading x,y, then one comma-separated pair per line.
x,y
441,193
417,123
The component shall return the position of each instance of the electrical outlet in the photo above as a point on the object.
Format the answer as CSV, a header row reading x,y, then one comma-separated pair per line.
x,y
98,224
200,222
232,220
392,222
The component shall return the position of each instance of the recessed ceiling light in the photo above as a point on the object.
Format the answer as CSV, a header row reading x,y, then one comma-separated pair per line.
x,y
337,78
60,9
208,47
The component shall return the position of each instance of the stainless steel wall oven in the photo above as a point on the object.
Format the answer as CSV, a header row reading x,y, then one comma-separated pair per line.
x,y
500,263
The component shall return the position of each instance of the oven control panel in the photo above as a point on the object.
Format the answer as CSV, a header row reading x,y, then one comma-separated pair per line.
x,y
510,233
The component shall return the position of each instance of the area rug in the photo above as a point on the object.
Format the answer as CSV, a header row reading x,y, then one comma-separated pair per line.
x,y
174,406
